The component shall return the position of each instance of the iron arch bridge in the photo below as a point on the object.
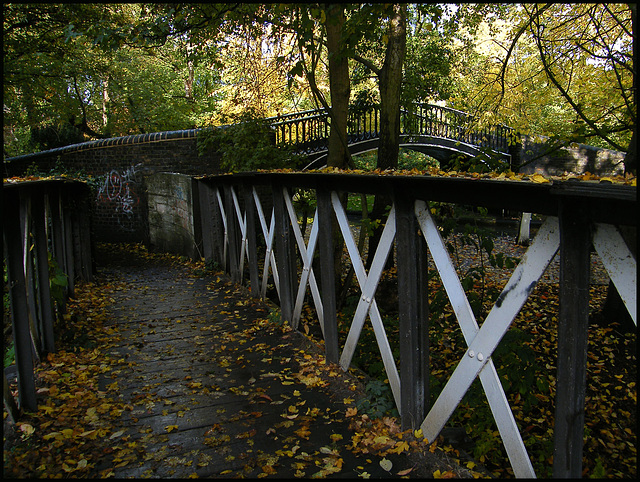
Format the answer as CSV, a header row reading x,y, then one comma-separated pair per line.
x,y
437,131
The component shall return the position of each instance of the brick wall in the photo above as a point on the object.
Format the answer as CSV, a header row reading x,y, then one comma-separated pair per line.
x,y
120,168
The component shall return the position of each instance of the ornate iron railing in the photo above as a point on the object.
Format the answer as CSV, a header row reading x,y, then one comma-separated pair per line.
x,y
308,131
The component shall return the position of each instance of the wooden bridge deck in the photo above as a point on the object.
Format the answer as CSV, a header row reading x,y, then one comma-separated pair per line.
x,y
215,390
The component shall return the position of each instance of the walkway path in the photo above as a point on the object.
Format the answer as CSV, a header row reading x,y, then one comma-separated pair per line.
x,y
216,390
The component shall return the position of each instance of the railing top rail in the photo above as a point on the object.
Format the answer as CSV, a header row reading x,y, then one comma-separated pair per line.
x,y
303,113
281,120
610,203
39,183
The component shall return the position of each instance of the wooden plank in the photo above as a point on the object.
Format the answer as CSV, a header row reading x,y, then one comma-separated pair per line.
x,y
57,228
29,272
69,263
283,247
42,263
18,295
223,246
233,236
367,303
573,337
242,235
412,315
327,276
269,258
205,193
306,253
252,247
481,347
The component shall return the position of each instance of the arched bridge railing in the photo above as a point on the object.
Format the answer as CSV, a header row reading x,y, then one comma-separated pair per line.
x,y
308,131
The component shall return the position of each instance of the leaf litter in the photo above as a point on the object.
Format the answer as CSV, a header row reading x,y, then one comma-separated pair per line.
x,y
97,419
80,428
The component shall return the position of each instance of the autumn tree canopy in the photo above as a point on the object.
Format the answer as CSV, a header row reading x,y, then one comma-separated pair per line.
x,y
76,72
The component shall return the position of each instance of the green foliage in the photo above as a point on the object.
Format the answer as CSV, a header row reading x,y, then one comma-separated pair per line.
x,y
248,144
275,317
354,202
52,136
58,281
9,354
409,159
379,400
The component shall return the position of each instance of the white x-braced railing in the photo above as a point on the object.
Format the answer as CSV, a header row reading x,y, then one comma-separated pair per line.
x,y
481,341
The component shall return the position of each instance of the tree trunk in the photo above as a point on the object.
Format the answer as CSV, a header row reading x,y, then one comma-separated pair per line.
x,y
339,87
390,85
105,102
340,91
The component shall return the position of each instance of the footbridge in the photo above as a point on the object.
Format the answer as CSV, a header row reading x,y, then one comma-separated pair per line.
x,y
440,132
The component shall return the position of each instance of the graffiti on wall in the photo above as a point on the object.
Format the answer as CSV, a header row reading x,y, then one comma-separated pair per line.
x,y
119,189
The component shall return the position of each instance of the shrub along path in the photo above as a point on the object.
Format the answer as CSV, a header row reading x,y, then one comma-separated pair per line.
x,y
212,387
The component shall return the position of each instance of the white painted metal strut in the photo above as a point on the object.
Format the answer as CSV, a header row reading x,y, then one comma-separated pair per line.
x,y
367,303
619,263
489,378
226,231
269,258
306,253
486,339
244,243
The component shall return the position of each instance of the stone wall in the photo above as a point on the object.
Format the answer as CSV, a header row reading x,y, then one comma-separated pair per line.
x,y
173,224
577,159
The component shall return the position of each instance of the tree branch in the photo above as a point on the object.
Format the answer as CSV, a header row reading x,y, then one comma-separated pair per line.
x,y
565,93
367,63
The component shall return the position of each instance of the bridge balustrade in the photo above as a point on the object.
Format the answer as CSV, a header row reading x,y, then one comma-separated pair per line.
x,y
308,131
43,222
577,216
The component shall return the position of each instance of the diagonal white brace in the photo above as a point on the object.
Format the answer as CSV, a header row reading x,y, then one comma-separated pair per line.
x,y
496,397
367,303
306,254
619,263
509,303
226,231
242,221
270,258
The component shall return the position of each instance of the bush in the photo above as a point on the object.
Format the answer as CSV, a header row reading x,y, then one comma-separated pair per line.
x,y
248,143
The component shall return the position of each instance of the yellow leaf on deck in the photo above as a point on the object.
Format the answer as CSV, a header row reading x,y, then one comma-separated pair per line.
x,y
538,179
